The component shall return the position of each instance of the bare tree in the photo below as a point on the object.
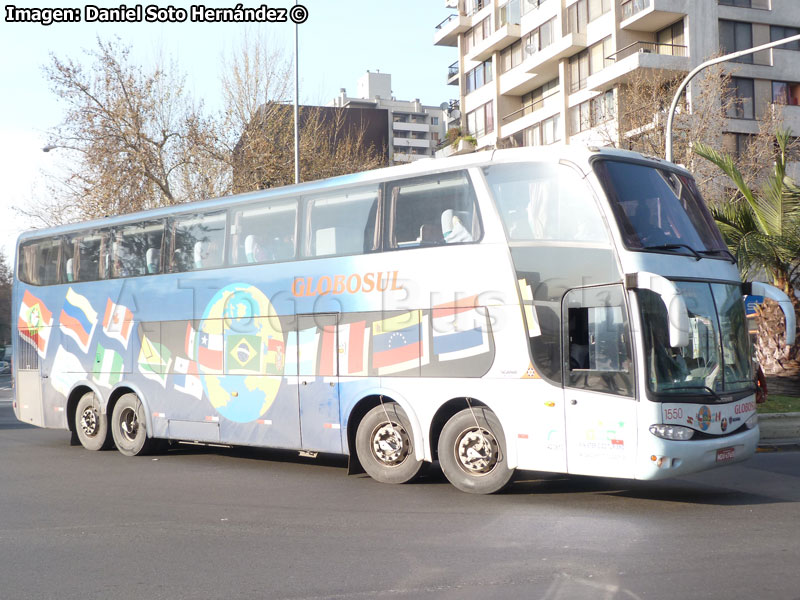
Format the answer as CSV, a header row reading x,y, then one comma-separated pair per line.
x,y
138,140
257,126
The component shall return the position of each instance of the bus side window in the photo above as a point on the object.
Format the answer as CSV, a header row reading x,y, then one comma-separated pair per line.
x,y
342,223
39,262
89,255
433,211
263,232
197,241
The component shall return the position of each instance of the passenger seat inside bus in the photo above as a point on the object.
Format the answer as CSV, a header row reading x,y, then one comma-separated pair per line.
x,y
253,250
454,226
152,259
70,273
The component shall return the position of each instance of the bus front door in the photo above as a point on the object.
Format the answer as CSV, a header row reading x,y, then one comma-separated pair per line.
x,y
599,399
318,379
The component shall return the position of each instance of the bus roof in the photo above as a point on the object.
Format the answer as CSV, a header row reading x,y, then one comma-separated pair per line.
x,y
551,153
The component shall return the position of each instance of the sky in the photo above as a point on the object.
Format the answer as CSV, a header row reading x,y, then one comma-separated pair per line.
x,y
339,42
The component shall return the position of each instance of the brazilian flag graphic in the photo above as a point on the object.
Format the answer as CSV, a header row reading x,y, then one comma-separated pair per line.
x,y
243,353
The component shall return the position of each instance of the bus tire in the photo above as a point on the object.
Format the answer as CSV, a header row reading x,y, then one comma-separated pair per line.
x,y
91,425
129,426
472,452
385,447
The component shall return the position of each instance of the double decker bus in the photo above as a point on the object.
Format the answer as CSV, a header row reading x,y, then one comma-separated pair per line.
x,y
569,310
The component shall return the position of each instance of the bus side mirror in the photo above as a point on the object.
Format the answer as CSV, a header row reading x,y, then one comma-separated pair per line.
x,y
677,314
758,288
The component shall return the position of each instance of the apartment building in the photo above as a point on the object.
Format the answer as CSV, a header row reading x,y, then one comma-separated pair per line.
x,y
415,130
534,72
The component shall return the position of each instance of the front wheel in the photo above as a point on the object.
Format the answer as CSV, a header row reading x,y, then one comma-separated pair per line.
x,y
129,427
385,445
91,425
472,452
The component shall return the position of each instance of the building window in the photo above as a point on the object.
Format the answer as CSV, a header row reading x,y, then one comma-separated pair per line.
x,y
776,32
509,13
434,120
670,40
533,42
588,62
735,36
591,113
739,3
478,77
743,96
736,144
480,121
584,11
535,100
529,5
786,92
477,34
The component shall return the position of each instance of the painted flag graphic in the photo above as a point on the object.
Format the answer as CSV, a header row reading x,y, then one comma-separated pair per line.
x,y
118,322
209,351
327,355
353,346
459,330
243,353
108,366
290,356
34,322
276,357
191,338
154,361
307,340
67,370
397,343
186,379
78,319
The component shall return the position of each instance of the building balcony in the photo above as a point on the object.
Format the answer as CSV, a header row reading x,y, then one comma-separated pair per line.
x,y
447,31
669,59
651,15
399,142
540,67
452,74
408,126
529,115
402,157
501,38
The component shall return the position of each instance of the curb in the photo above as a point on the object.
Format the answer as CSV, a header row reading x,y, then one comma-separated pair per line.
x,y
779,429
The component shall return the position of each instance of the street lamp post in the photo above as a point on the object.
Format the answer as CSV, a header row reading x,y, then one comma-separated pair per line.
x,y
700,67
296,107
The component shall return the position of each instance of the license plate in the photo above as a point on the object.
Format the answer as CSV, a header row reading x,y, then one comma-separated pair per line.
x,y
725,454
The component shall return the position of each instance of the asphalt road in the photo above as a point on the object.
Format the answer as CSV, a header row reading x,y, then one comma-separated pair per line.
x,y
201,523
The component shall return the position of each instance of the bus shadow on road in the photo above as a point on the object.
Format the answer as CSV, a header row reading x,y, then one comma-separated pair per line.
x,y
663,491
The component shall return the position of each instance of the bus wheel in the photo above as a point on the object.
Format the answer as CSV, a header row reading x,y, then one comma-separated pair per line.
x,y
385,445
91,424
129,428
472,452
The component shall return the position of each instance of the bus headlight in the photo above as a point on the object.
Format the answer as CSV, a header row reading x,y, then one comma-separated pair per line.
x,y
672,432
752,421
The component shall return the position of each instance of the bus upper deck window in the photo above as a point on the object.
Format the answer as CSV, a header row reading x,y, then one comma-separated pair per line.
x,y
197,241
263,232
342,223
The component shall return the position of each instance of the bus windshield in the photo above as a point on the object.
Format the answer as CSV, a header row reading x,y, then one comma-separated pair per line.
x,y
717,357
658,209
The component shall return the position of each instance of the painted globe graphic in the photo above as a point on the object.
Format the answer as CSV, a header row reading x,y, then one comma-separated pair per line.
x,y
239,349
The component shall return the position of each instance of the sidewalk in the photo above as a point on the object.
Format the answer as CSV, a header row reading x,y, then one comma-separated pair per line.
x,y
781,429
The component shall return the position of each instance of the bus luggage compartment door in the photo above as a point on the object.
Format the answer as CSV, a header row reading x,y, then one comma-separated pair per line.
x,y
318,380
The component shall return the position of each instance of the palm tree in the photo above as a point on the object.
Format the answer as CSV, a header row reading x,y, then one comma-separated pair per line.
x,y
762,230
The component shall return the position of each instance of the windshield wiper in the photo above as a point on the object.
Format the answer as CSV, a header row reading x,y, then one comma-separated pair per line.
x,y
674,247
695,387
720,252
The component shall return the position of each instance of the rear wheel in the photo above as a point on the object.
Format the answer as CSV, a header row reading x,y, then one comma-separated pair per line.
x,y
91,425
385,445
129,427
472,452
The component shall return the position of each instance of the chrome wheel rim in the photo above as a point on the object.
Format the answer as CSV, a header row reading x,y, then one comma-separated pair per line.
x,y
89,422
390,444
477,451
129,424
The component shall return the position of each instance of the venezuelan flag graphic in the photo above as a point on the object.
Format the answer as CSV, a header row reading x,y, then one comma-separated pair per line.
x,y
78,319
34,323
397,343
